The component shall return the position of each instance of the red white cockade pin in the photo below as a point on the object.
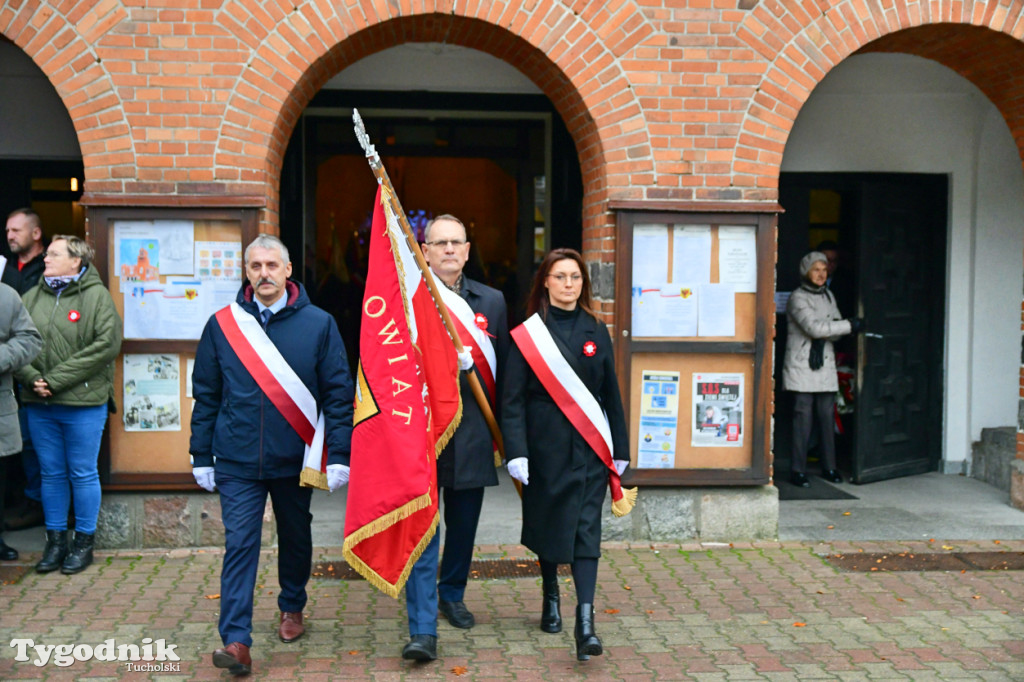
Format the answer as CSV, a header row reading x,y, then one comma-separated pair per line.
x,y
480,320
74,316
589,348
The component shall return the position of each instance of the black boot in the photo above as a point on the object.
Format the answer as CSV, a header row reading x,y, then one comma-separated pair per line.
x,y
587,642
7,553
551,615
54,552
80,556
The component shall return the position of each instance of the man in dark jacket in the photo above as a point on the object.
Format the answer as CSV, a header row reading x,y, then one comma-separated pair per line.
x,y
466,465
244,444
21,273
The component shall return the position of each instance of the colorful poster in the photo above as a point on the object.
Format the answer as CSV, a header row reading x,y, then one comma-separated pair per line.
x,y
659,420
151,393
147,249
717,410
173,309
219,262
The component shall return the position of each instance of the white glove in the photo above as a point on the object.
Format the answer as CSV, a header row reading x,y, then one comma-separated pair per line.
x,y
204,477
337,476
518,469
466,358
620,465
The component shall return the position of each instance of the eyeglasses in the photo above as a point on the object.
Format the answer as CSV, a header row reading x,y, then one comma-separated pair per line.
x,y
561,277
445,242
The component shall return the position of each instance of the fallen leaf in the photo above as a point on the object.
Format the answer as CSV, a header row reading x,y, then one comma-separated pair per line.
x,y
649,611
830,527
874,568
931,539
977,596
899,598
460,670
948,547
353,653
846,513
611,611
996,542
821,591
212,596
626,587
799,625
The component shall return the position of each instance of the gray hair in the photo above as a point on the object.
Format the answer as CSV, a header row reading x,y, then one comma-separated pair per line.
x,y
77,248
443,216
267,241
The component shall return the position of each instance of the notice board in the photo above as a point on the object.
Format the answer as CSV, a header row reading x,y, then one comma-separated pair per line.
x,y
694,326
167,270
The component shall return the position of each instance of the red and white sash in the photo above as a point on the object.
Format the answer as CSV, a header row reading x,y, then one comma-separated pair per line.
x,y
573,398
282,386
471,334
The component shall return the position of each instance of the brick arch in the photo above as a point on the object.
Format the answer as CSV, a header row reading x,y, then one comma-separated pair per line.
x,y
980,41
61,41
560,50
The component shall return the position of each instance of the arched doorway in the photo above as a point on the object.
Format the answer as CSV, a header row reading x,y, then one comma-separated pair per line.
x,y
40,158
876,129
460,132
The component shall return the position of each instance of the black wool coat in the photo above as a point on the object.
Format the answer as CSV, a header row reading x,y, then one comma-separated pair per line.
x,y
468,459
567,480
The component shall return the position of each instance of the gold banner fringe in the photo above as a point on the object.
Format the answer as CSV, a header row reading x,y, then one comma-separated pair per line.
x,y
311,478
378,526
626,504
442,441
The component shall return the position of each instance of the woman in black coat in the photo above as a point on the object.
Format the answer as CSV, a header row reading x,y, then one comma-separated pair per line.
x,y
564,479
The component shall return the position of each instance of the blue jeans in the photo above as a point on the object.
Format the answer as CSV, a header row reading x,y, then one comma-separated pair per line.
x,y
67,441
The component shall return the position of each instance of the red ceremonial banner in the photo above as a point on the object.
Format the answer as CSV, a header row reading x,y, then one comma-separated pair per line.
x,y
406,410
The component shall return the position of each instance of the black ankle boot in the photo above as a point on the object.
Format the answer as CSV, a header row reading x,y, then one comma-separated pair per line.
x,y
587,642
7,553
80,556
54,552
551,615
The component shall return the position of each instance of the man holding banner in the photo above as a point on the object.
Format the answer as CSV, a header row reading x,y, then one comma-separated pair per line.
x,y
467,464
273,415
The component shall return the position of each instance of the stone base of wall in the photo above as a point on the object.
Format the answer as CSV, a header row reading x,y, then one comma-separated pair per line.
x,y
992,455
708,514
158,520
1017,484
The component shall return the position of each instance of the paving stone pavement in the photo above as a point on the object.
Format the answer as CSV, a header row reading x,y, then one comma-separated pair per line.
x,y
759,611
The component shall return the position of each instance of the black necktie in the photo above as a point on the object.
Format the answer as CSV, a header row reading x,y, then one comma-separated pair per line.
x,y
265,316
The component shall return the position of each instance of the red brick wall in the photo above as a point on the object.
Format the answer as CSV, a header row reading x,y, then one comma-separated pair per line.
x,y
666,99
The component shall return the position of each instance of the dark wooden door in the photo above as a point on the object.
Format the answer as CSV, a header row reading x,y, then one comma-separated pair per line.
x,y
900,262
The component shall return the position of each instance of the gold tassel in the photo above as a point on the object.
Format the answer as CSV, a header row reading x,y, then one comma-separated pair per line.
x,y
310,478
626,504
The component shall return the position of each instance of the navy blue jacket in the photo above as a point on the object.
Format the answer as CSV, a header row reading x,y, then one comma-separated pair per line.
x,y
234,422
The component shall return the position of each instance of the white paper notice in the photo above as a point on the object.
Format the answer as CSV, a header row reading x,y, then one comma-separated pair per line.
x,y
667,310
174,309
650,254
717,310
737,257
190,365
691,254
151,394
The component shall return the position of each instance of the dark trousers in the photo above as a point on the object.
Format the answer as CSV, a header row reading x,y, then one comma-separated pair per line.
x,y
809,408
421,590
242,503
461,515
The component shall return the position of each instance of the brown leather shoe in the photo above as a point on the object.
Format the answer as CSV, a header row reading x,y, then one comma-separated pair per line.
x,y
291,627
235,657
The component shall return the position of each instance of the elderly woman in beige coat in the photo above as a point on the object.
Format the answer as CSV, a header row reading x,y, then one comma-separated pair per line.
x,y
20,343
809,369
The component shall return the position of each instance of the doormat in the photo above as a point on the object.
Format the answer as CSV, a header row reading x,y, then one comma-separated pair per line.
x,y
820,490
866,562
479,570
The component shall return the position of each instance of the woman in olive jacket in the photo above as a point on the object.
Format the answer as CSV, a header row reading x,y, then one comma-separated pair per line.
x,y
66,392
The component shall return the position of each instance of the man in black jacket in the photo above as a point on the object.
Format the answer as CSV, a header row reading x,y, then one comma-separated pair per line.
x,y
262,365
466,465
21,273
